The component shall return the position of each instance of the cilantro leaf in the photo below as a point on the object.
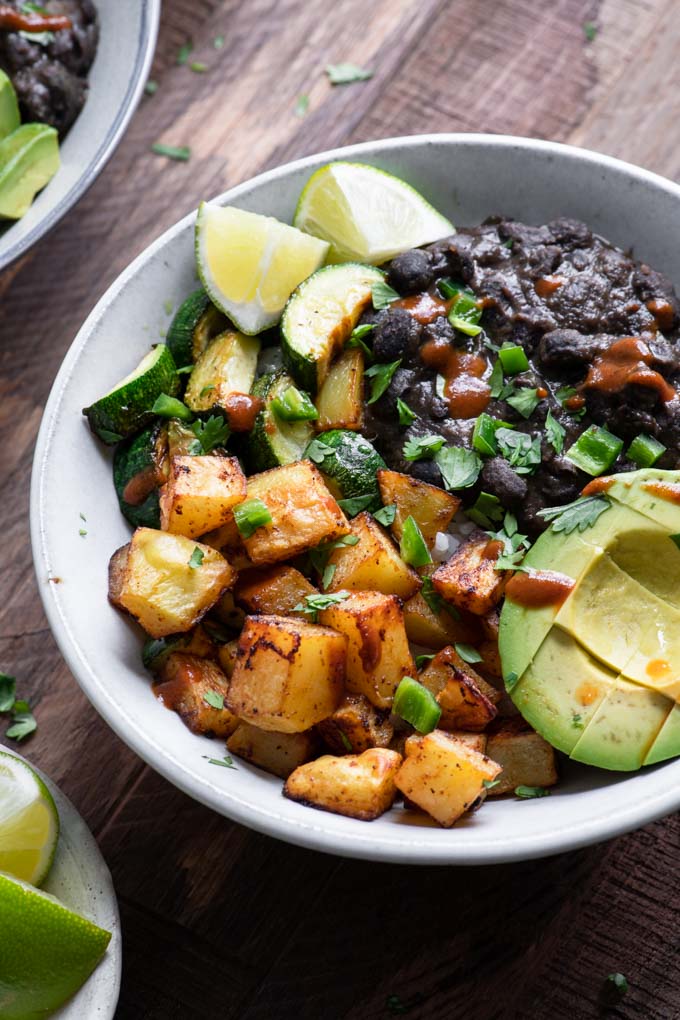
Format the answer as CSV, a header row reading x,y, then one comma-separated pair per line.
x,y
180,153
459,467
579,515
355,504
422,660
214,699
383,295
347,73
196,558
486,510
23,722
524,401
423,448
467,653
227,762
251,515
313,604
302,105
406,415
381,377
386,515
522,452
317,451
328,575
319,557
436,602
489,784
8,691
564,395
356,339
211,433
527,792
555,432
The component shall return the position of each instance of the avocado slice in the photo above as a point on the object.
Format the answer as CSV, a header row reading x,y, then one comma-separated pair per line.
x,y
562,689
667,743
9,107
29,158
623,729
652,492
650,556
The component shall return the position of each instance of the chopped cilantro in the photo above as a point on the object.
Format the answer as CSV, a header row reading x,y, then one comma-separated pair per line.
x,y
555,432
510,680
317,451
579,515
8,690
210,434
346,742
328,575
522,452
423,448
524,401
383,295
355,504
436,602
82,532
196,558
312,605
423,660
180,153
184,52
459,467
214,699
227,762
347,73
218,42
198,67
564,395
467,653
386,515
319,557
489,784
381,377
301,105
615,987
528,792
151,87
589,30
207,389
406,415
356,339
576,721
487,510
251,515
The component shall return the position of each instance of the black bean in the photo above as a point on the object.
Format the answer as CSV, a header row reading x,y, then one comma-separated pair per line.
x,y
411,272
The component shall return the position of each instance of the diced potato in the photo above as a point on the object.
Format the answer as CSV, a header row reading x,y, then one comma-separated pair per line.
x,y
432,508
199,494
378,653
278,753
274,590
357,785
227,612
436,630
289,675
477,741
304,513
373,564
490,623
355,726
467,700
227,540
444,776
340,402
469,579
491,660
226,655
184,682
151,578
525,757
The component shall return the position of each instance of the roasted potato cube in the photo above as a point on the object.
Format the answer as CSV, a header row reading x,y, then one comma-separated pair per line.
x,y
199,494
436,630
304,513
444,776
357,785
373,564
355,726
278,753
157,579
195,688
274,590
289,675
469,579
227,613
477,741
467,700
227,540
490,624
340,402
525,757
432,508
226,655
378,654
491,660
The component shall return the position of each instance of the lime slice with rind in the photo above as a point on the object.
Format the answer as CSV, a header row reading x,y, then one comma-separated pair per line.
x,y
251,264
366,214
29,822
47,952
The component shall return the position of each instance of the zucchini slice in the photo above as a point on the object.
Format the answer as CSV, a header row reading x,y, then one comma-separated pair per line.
x,y
350,467
319,317
226,368
340,402
195,324
127,408
273,441
138,465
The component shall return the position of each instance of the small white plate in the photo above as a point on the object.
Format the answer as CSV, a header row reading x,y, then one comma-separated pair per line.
x,y
81,880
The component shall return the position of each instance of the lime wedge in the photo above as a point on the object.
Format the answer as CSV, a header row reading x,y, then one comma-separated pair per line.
x,y
366,214
46,951
29,823
251,264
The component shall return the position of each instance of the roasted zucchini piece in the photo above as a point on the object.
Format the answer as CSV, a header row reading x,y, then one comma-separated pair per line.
x,y
199,494
167,582
372,564
340,402
223,376
303,513
127,408
319,317
278,753
273,441
444,776
139,466
355,726
195,324
349,465
357,785
378,653
288,674
431,508
469,579
196,689
274,590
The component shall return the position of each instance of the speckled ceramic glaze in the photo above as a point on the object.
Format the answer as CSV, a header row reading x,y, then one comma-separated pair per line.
x,y
128,30
467,177
81,880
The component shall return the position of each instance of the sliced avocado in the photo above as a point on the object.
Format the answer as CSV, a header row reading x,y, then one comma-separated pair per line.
x,y
652,492
650,556
667,743
561,690
29,158
623,729
9,107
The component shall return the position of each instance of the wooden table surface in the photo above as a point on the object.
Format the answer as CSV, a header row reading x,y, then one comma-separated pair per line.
x,y
219,922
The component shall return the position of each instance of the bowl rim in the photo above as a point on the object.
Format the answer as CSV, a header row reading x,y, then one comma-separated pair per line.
x,y
404,846
150,19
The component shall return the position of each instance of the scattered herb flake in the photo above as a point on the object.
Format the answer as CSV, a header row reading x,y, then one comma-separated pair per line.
x,y
555,432
468,653
8,691
211,433
82,532
510,680
346,742
227,762
214,699
23,722
317,451
346,73
218,42
151,87
522,451
579,515
487,510
406,415
313,604
577,721
109,437
615,987
251,515
381,377
180,153
423,448
386,515
207,389
198,67
524,400
184,52
196,558
459,467
328,575
529,792
489,784
435,601
302,105
355,504
423,660
589,30
383,295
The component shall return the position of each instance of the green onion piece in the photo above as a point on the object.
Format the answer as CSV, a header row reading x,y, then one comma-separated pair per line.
x,y
416,705
513,359
251,515
449,288
294,405
595,450
464,327
645,451
484,434
171,407
413,548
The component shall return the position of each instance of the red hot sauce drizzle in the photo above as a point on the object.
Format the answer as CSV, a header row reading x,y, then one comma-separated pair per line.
x,y
425,308
598,486
465,390
627,363
664,490
536,589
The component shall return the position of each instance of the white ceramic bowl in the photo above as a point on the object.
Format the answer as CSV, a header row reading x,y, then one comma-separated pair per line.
x,y
467,177
81,880
128,30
